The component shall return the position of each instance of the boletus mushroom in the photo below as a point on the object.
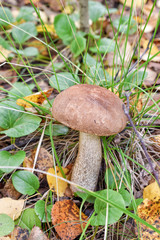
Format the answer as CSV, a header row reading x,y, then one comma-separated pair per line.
x,y
94,111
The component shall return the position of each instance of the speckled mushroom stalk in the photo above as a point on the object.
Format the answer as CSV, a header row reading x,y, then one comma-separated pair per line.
x,y
88,162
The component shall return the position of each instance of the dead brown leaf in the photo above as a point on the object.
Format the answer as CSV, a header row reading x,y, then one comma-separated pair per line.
x,y
66,219
20,234
137,4
4,54
10,191
151,77
28,163
55,5
9,74
44,161
37,234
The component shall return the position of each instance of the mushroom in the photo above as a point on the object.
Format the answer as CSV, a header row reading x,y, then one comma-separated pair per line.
x,y
94,111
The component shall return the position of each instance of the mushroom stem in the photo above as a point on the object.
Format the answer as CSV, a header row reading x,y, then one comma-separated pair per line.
x,y
87,165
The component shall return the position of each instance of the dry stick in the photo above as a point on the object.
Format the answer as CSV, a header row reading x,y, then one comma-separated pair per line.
x,y
126,111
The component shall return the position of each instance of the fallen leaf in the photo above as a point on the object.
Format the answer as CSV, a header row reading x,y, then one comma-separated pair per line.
x,y
151,77
4,54
8,74
124,50
40,46
35,2
150,25
28,163
47,28
137,4
154,50
58,185
152,191
37,98
19,234
44,161
37,234
12,208
134,102
149,211
5,238
67,220
56,5
10,191
156,139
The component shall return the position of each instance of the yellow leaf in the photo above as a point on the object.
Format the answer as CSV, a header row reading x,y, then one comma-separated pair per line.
x,y
152,191
154,50
37,98
58,185
12,208
47,28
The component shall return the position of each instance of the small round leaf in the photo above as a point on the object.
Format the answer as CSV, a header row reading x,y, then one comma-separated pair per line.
x,y
40,211
8,160
114,214
28,220
6,225
25,182
28,31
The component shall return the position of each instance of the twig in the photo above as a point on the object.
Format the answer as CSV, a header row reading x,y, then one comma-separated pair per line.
x,y
18,144
126,111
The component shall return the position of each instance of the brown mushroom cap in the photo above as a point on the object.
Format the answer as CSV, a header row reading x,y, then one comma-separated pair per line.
x,y
91,109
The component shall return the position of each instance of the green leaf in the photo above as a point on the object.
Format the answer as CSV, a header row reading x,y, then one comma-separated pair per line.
x,y
126,196
20,36
136,202
115,178
6,15
9,116
123,22
86,197
21,90
96,10
26,13
41,212
104,45
28,219
63,80
99,76
134,79
5,44
78,45
90,61
65,27
57,130
23,126
8,159
28,52
114,214
25,182
6,225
